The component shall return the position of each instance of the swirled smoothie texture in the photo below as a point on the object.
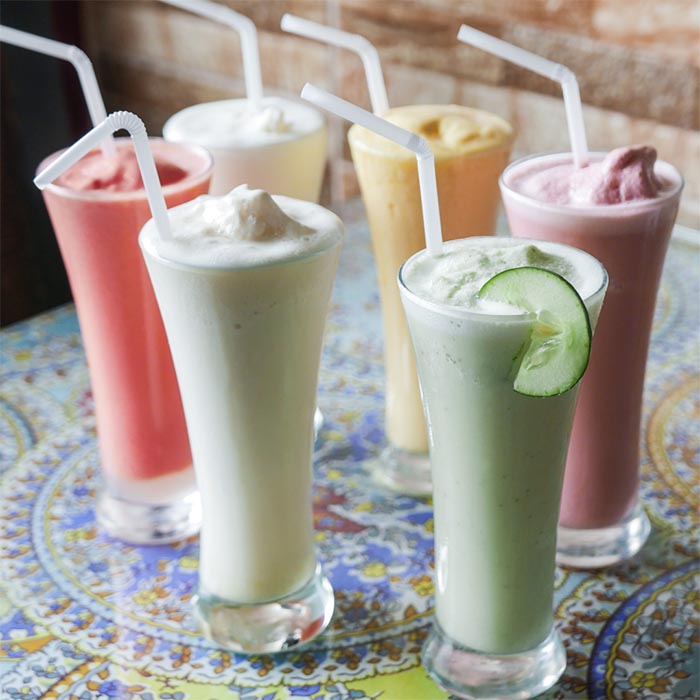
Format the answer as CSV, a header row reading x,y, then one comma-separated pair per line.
x,y
450,130
117,173
245,228
455,277
624,175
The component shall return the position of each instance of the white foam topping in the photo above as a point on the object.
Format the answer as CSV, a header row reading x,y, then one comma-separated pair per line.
x,y
236,123
245,228
455,277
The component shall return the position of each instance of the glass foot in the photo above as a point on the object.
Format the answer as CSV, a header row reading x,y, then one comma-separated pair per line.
x,y
148,523
405,472
467,673
594,549
272,626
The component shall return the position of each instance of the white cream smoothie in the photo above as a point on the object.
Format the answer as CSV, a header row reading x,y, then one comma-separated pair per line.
x,y
497,455
243,287
278,145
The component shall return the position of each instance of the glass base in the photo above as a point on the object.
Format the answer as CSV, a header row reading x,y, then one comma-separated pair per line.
x,y
150,523
272,626
467,673
596,548
318,423
404,472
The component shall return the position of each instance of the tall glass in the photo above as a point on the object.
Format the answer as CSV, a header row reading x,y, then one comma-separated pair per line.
x,y
601,519
471,149
279,147
150,493
246,342
498,462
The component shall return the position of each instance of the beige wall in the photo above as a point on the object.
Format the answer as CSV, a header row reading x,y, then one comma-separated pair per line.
x,y
638,63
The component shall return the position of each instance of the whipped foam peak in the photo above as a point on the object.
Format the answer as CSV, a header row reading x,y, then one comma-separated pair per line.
x,y
449,130
269,119
624,175
243,215
120,172
245,228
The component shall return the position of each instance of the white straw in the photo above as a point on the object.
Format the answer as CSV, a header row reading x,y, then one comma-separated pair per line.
x,y
361,46
424,156
547,68
249,39
114,122
81,63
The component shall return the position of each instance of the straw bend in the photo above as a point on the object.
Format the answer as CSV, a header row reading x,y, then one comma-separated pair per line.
x,y
247,31
549,69
136,128
345,40
425,159
79,60
419,146
78,57
562,74
127,121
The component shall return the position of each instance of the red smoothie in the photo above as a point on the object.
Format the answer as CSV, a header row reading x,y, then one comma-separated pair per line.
x,y
97,209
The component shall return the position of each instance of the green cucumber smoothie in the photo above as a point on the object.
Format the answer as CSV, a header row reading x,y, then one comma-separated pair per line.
x,y
498,455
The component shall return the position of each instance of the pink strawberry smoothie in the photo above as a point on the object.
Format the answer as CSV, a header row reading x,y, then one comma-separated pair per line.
x,y
621,209
97,209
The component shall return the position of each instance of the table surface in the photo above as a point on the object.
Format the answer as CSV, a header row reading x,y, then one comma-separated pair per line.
x,y
83,616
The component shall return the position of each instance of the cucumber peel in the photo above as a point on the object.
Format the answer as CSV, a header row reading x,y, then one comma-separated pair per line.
x,y
557,353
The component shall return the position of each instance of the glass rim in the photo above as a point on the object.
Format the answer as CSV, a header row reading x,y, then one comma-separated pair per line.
x,y
172,124
468,314
190,180
633,206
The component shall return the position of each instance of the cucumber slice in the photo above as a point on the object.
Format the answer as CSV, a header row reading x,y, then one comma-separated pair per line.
x,y
557,354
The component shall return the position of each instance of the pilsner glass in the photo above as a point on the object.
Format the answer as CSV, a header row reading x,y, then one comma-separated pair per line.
x,y
150,493
246,338
498,463
601,520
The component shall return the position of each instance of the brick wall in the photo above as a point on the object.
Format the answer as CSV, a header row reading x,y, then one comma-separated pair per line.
x,y
638,63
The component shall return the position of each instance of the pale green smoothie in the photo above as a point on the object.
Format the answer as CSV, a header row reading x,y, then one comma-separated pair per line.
x,y
498,456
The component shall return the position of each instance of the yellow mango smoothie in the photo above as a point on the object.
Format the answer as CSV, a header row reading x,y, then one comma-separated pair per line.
x,y
471,148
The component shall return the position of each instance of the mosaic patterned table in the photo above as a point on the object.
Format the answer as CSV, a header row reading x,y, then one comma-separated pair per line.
x,y
85,617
